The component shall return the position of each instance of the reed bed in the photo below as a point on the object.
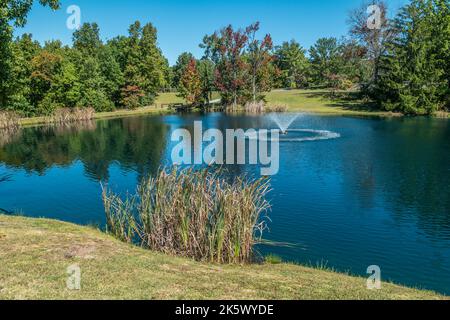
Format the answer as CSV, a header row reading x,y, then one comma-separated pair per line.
x,y
255,107
69,115
195,214
8,120
277,108
260,107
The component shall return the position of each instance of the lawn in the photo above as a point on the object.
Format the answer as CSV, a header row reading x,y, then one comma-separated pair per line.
x,y
313,101
321,101
35,255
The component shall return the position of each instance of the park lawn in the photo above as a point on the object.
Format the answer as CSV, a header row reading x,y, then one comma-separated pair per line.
x,y
320,101
35,255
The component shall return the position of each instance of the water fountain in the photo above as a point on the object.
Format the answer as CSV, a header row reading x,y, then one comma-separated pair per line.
x,y
284,121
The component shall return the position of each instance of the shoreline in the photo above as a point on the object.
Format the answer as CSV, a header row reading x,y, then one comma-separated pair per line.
x,y
314,102
38,251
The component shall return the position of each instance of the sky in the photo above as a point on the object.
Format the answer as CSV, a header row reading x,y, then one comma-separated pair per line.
x,y
182,24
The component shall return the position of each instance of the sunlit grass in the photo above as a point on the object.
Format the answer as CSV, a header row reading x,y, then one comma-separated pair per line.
x,y
35,255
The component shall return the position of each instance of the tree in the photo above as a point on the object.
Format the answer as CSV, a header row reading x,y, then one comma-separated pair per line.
x,y
291,61
146,68
23,49
46,66
12,13
112,76
227,49
373,36
206,69
259,53
87,39
190,87
325,60
178,69
413,76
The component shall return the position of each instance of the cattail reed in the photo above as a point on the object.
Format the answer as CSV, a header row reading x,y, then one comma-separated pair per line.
x,y
68,115
9,120
195,214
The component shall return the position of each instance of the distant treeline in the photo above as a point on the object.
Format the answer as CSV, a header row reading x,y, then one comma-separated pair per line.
x,y
402,63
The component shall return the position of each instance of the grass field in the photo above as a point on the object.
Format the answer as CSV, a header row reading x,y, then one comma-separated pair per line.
x,y
321,101
35,255
313,101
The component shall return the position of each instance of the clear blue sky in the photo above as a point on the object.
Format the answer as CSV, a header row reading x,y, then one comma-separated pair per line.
x,y
182,24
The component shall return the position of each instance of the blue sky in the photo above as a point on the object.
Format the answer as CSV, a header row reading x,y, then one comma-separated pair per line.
x,y
182,24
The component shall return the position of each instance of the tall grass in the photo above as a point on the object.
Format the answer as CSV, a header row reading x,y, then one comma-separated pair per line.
x,y
8,120
69,115
195,214
255,107
277,108
261,107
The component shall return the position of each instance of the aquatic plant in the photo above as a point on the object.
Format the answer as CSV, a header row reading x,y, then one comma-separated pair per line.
x,y
9,119
279,108
195,214
68,115
255,107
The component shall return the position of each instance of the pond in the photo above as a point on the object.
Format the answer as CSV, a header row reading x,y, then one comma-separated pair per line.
x,y
376,194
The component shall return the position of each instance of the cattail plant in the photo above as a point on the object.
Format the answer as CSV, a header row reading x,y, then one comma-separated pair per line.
x,y
68,115
9,120
195,214
255,107
277,108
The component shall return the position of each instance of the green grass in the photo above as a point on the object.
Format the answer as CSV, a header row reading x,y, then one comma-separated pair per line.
x,y
35,255
320,101
167,98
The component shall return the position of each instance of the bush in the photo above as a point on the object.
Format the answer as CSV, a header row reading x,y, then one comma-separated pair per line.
x,y
193,214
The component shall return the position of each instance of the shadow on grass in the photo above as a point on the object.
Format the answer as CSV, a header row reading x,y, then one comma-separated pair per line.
x,y
352,101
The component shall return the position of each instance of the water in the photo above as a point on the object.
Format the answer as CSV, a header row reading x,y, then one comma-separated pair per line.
x,y
376,195
284,120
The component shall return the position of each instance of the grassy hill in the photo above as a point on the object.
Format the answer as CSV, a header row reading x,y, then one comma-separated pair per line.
x,y
35,254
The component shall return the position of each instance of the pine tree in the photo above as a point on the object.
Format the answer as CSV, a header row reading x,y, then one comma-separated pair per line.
x,y
413,76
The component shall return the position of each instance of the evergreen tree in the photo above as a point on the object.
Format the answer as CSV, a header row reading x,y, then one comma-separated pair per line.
x,y
178,69
294,66
325,60
414,78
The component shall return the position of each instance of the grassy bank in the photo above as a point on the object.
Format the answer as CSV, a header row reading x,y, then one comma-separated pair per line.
x,y
320,101
35,254
317,101
102,115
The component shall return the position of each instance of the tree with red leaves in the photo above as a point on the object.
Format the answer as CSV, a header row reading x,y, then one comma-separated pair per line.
x,y
243,63
190,87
